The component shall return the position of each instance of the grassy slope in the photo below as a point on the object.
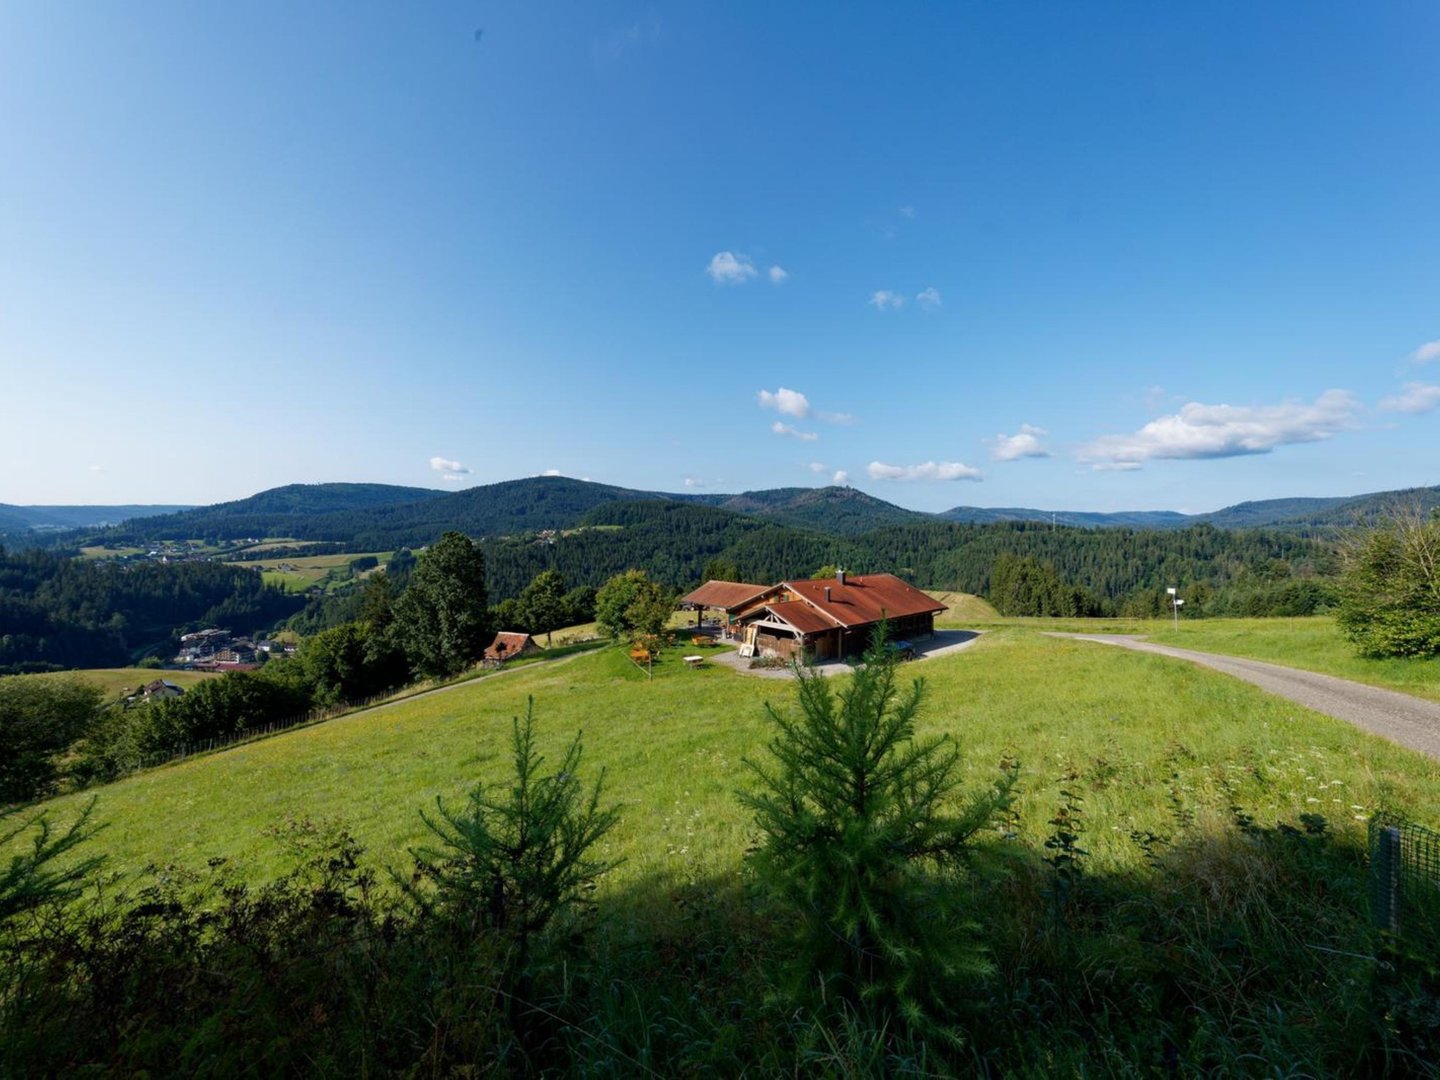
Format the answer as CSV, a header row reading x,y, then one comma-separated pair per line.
x,y
112,681
1123,723
1314,644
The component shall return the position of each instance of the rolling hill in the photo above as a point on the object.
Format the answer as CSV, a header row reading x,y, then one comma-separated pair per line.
x,y
22,518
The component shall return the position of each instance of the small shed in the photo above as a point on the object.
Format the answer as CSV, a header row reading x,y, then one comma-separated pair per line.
x,y
727,597
508,645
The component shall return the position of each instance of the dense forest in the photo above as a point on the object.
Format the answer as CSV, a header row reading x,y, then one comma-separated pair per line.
x,y
62,612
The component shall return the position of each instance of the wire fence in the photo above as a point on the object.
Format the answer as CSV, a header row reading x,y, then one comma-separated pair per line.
x,y
1405,885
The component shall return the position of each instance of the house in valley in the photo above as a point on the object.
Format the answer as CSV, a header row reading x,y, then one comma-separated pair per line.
x,y
833,617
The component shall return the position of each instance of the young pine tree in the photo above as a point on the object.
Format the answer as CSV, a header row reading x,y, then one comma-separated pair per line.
x,y
863,831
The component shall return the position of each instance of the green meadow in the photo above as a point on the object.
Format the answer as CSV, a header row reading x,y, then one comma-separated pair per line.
x,y
112,682
1144,735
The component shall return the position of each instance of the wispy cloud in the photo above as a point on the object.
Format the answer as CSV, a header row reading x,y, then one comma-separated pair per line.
x,y
778,274
786,402
907,211
882,299
1219,431
1025,443
730,268
929,470
552,472
1426,353
697,482
792,433
613,47
445,465
841,478
928,298
1415,398
818,467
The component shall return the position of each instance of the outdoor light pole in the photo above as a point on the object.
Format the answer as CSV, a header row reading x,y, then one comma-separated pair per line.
x,y
1175,604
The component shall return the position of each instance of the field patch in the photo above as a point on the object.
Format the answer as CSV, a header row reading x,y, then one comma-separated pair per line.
x,y
115,681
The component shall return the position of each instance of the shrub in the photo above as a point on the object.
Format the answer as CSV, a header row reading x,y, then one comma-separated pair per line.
x,y
1390,595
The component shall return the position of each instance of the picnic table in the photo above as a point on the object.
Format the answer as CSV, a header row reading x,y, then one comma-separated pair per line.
x,y
693,661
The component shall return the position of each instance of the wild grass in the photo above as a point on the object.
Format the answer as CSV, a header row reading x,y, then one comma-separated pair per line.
x,y
1214,921
1314,644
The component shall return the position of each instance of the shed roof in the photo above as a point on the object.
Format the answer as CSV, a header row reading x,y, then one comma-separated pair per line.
x,y
725,595
865,599
514,644
801,616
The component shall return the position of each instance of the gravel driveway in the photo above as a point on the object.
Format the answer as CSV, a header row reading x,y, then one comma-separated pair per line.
x,y
942,643
1409,721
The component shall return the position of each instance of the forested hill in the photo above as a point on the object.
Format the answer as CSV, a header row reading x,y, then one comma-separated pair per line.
x,y
64,612
843,511
276,512
24,518
673,541
373,517
1133,519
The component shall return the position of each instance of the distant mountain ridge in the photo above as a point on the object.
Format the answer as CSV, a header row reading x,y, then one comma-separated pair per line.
x,y
21,518
383,516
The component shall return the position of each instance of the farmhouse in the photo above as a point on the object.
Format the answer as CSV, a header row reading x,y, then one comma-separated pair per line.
x,y
727,597
508,645
833,617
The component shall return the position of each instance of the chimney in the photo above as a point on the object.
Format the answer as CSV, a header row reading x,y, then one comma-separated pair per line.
x,y
840,576
827,594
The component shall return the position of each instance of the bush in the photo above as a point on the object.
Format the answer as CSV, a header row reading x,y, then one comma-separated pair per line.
x,y
1390,594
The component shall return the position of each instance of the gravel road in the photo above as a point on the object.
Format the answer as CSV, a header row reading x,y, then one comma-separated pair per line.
x,y
1409,721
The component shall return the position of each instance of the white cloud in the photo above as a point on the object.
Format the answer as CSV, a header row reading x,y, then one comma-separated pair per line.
x,y
97,468
1115,466
928,298
836,417
1218,431
451,476
729,268
884,298
699,482
1155,398
791,433
445,465
552,472
1025,443
841,477
778,274
1415,398
786,402
907,211
929,470
1426,353
818,467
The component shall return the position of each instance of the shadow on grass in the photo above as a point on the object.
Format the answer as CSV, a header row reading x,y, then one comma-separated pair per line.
x,y
1234,950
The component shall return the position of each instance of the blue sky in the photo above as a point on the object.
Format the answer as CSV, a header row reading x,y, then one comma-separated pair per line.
x,y
1075,256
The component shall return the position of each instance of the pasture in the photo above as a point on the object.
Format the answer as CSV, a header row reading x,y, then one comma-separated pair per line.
x,y
1139,732
115,681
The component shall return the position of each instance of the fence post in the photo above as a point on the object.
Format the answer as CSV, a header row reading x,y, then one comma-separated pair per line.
x,y
1385,874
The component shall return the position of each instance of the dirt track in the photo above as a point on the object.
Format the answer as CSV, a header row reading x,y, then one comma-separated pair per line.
x,y
1409,721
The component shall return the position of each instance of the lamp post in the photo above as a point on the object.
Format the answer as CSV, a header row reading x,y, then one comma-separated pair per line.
x,y
1175,604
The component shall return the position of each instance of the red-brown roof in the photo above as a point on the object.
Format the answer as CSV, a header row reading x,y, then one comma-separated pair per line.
x,y
514,644
865,598
801,616
725,595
